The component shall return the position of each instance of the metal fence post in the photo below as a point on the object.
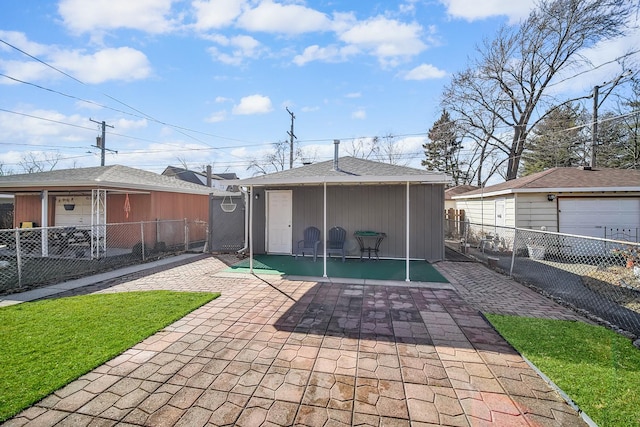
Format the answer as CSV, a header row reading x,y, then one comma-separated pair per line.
x,y
513,252
142,239
186,235
18,257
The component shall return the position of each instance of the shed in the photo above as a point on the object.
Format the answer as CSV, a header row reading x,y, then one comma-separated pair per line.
x,y
405,203
596,202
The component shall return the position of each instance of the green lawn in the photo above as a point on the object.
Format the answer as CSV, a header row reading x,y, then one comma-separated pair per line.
x,y
596,367
47,344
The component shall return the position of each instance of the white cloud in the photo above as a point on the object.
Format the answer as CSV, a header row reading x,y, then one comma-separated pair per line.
x,y
216,13
30,127
242,47
387,39
222,99
473,10
19,40
424,72
359,114
124,124
83,16
353,95
331,53
284,19
218,116
122,63
253,104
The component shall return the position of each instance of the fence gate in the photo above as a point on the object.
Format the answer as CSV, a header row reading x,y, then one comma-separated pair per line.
x,y
98,223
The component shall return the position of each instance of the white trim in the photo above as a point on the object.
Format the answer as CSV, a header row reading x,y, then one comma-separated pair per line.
x,y
549,190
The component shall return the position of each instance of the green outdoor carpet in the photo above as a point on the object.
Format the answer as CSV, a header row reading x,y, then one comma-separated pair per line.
x,y
384,269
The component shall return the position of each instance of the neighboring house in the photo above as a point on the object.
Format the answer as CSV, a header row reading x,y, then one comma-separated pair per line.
x,y
95,196
218,181
356,194
449,203
582,201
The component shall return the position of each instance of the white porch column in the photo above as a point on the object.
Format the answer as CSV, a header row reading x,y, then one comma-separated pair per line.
x,y
251,228
324,239
408,233
44,221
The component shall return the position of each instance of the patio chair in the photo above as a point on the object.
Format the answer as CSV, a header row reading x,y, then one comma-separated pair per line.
x,y
310,242
335,242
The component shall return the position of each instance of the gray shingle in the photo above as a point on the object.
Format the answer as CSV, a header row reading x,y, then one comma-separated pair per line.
x,y
114,176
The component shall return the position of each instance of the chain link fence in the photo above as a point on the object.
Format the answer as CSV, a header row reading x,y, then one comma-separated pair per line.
x,y
34,257
599,277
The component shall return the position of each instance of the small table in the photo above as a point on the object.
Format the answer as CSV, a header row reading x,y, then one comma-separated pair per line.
x,y
369,241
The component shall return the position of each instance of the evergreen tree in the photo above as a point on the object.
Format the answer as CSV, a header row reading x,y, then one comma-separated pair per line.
x,y
443,149
556,141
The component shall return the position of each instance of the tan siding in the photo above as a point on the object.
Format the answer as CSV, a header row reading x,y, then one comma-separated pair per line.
x,y
535,211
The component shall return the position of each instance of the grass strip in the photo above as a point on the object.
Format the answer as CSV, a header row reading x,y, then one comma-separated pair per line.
x,y
596,367
47,344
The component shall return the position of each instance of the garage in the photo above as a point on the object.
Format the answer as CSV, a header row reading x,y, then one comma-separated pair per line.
x,y
591,216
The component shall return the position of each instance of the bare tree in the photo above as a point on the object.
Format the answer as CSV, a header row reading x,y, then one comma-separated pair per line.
x,y
32,162
275,160
473,107
390,151
513,72
363,148
4,171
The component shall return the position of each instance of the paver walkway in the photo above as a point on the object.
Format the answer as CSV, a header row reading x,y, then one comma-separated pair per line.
x,y
271,351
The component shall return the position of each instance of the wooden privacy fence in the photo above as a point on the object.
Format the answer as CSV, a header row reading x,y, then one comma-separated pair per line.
x,y
454,222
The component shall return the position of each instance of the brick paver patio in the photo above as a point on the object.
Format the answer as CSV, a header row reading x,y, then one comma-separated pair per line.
x,y
277,352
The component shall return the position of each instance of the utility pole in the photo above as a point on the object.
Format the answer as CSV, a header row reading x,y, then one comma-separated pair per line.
x,y
594,127
101,143
291,138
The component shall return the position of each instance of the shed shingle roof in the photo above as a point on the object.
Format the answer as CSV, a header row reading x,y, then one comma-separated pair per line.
x,y
566,180
350,170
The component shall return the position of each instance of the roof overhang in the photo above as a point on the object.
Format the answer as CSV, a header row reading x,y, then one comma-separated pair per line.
x,y
112,187
341,180
548,190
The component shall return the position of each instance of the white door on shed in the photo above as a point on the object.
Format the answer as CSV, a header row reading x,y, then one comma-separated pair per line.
x,y
590,216
279,219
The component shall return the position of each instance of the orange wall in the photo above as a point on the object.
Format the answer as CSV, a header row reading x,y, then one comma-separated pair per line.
x,y
27,208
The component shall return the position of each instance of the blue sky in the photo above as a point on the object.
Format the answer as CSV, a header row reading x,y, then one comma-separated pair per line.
x,y
201,82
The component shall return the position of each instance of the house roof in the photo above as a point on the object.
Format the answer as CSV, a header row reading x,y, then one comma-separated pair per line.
x,y
458,189
561,180
185,175
114,177
351,170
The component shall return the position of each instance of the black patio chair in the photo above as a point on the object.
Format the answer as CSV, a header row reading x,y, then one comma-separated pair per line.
x,y
310,242
336,240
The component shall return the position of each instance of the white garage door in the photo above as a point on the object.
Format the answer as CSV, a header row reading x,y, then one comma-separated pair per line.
x,y
589,217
